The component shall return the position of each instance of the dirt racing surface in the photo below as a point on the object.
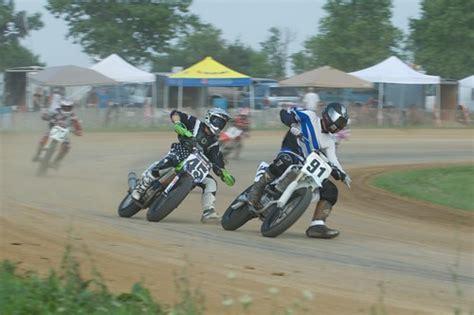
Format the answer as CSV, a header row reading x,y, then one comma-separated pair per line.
x,y
400,255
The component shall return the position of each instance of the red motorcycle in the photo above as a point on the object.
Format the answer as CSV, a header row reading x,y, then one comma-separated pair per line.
x,y
231,140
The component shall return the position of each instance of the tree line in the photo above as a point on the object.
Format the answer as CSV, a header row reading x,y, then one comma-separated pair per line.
x,y
353,35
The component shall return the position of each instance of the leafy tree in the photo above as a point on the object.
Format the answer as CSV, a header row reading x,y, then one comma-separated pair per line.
x,y
136,30
13,26
442,39
354,35
204,41
275,48
207,41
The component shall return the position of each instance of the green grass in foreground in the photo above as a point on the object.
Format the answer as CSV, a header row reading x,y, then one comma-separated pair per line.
x,y
448,186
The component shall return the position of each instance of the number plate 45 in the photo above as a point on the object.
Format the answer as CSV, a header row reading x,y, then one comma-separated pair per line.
x,y
317,168
197,166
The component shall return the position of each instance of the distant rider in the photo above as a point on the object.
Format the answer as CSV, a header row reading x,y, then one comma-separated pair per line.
x,y
65,117
308,132
206,134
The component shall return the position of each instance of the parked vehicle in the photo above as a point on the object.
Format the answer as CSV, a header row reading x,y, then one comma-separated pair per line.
x,y
273,96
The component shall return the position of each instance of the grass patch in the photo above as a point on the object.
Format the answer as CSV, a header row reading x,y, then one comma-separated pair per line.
x,y
67,293
448,186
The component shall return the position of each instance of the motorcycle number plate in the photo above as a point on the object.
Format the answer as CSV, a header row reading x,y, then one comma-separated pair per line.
x,y
58,133
317,168
197,167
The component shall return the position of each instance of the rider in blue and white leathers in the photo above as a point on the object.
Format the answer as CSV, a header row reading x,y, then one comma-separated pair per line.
x,y
308,132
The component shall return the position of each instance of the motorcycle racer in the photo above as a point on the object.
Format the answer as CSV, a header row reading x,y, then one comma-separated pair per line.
x,y
308,132
206,134
62,116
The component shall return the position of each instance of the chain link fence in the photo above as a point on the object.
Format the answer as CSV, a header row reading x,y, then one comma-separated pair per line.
x,y
131,118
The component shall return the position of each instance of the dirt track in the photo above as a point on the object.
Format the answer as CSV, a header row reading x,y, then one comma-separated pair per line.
x,y
393,248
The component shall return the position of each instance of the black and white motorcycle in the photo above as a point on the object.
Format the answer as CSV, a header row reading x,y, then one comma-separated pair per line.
x,y
169,190
285,199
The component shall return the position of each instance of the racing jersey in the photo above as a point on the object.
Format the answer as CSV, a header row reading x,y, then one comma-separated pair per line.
x,y
208,142
61,119
314,137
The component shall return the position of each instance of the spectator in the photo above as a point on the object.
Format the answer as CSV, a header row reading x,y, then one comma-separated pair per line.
x,y
55,102
311,100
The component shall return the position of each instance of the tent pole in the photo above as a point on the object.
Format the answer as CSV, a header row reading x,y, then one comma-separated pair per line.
x,y
380,106
180,98
166,97
252,105
437,110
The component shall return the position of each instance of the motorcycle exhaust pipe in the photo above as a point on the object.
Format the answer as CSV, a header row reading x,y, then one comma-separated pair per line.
x,y
132,180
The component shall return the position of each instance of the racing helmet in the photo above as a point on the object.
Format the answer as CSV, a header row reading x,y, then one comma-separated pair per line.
x,y
216,119
335,117
66,106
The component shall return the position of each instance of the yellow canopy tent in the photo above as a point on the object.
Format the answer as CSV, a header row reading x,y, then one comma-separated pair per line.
x,y
205,73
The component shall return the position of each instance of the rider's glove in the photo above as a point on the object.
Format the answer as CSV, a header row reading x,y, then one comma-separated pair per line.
x,y
295,130
228,179
347,180
181,130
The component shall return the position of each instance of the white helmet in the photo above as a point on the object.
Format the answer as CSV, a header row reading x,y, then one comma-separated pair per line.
x,y
216,119
67,105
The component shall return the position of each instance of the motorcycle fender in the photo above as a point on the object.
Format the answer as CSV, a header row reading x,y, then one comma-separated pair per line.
x,y
171,185
294,185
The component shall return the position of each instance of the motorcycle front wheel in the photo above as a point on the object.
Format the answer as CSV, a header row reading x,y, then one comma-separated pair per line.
x,y
281,219
164,205
234,218
44,162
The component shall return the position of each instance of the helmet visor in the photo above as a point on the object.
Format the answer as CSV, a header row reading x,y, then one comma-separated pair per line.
x,y
66,108
218,122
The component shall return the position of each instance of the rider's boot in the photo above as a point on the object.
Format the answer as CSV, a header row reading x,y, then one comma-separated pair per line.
x,y
318,228
208,202
150,175
256,191
210,216
143,185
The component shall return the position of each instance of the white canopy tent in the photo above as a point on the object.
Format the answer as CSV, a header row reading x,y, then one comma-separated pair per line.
x,y
115,67
394,71
466,92
118,69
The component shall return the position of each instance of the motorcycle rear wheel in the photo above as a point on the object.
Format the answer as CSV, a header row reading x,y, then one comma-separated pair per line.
x,y
164,205
281,219
235,218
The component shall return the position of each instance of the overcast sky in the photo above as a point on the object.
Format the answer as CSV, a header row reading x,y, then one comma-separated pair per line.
x,y
248,20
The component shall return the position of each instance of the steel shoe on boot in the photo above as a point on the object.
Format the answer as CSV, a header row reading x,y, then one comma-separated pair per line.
x,y
321,231
210,216
138,191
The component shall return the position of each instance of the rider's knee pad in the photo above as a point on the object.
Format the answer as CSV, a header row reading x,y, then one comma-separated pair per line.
x,y
281,163
328,192
209,185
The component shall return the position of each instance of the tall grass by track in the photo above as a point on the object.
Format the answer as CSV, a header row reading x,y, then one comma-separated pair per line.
x,y
448,186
